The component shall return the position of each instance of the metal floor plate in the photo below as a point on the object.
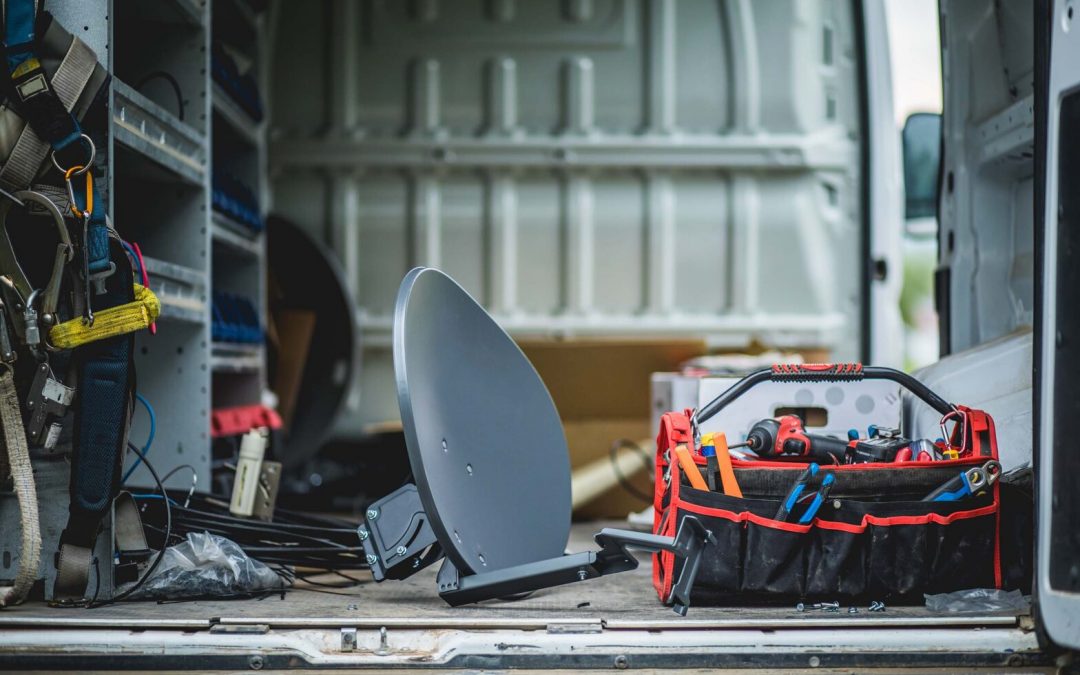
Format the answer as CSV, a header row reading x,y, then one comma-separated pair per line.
x,y
624,601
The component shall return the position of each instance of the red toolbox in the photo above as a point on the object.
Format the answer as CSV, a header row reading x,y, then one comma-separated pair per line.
x,y
872,533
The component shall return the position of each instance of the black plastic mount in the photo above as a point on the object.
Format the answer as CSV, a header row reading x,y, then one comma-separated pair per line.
x,y
399,542
396,536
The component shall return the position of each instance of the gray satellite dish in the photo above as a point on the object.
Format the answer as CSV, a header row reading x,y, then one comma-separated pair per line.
x,y
485,441
490,461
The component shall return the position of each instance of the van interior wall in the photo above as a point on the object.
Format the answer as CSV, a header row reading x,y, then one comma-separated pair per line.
x,y
619,169
986,244
986,239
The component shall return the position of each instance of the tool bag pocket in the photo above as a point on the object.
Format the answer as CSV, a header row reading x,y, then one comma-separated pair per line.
x,y
868,546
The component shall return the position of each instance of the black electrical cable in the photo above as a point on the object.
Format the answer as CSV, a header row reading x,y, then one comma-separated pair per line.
x,y
293,539
97,582
172,471
613,452
165,543
161,74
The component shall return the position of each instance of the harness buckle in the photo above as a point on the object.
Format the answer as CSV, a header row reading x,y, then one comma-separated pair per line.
x,y
48,397
78,169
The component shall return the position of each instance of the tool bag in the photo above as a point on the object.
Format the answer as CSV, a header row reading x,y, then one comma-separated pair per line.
x,y
873,538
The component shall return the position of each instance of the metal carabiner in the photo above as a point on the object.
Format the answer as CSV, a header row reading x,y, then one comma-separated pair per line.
x,y
17,283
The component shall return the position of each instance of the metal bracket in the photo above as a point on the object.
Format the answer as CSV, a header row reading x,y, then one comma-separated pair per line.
x,y
398,542
614,557
397,537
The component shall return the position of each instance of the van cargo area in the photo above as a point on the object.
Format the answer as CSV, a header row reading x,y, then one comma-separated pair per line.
x,y
420,287
611,622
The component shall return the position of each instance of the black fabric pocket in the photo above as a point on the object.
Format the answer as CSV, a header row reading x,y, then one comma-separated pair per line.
x,y
878,550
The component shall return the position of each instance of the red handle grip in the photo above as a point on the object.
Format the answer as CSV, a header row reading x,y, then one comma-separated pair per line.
x,y
816,372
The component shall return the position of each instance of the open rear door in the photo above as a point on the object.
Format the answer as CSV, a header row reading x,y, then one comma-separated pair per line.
x,y
1057,359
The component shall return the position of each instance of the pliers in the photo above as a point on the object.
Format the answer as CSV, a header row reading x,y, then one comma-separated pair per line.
x,y
967,483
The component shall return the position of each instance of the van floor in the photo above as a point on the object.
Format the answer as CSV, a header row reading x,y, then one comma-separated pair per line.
x,y
625,600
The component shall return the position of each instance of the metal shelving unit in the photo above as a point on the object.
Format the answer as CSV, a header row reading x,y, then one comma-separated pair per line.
x,y
236,358
228,234
172,125
147,128
180,290
168,126
159,185
234,115
238,146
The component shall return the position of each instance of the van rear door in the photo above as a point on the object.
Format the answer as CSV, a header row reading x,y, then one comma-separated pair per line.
x,y
1057,357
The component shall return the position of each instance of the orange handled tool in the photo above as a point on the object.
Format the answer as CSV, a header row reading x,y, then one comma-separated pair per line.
x,y
693,473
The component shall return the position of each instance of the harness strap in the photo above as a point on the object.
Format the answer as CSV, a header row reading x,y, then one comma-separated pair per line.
x,y
30,151
120,320
22,474
128,528
35,99
106,381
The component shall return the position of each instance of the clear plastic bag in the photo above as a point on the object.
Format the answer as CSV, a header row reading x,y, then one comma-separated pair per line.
x,y
207,565
978,600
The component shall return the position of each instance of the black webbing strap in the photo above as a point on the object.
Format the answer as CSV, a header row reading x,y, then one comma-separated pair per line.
x,y
106,386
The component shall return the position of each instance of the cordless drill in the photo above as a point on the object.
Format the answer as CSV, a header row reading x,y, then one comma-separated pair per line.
x,y
785,435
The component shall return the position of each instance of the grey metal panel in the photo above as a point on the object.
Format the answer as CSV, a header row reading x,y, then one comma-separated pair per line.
x,y
986,238
623,167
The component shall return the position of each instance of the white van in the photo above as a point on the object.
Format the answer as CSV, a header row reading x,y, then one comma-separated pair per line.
x,y
806,163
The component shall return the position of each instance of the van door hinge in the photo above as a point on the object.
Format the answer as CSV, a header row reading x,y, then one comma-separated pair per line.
x,y
879,269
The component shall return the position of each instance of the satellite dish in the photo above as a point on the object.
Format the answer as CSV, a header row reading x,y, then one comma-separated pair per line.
x,y
481,429
490,461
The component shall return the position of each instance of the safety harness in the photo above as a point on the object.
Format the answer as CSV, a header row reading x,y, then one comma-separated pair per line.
x,y
89,307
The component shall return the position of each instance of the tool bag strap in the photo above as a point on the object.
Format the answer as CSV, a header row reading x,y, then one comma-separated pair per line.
x,y
106,381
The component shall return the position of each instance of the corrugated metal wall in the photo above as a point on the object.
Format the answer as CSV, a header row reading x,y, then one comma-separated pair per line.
x,y
584,167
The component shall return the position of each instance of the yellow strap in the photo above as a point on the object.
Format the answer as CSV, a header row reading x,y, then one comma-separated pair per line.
x,y
109,322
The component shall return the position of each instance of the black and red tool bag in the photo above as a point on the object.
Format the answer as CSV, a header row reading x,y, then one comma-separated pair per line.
x,y
873,537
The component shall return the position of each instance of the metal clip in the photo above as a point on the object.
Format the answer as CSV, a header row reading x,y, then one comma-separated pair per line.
x,y
48,397
7,352
88,311
15,285
78,169
31,331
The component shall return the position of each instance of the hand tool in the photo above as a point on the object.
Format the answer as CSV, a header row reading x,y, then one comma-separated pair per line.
x,y
967,483
693,473
795,492
883,445
786,435
925,451
708,449
722,460
822,494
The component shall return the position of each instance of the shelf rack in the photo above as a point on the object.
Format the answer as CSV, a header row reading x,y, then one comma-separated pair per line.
x,y
171,125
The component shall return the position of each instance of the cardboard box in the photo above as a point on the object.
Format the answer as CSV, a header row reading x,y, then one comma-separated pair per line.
x,y
601,389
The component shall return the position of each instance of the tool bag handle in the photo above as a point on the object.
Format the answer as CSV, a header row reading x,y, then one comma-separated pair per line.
x,y
822,372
